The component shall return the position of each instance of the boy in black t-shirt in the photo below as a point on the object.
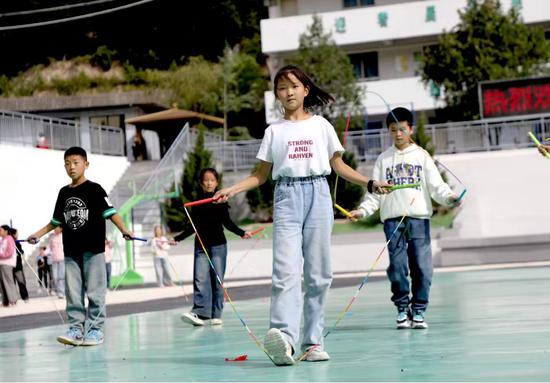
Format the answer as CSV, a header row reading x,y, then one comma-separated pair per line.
x,y
81,209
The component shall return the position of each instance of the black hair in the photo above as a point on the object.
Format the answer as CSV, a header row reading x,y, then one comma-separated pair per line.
x,y
399,114
75,151
12,231
316,95
6,227
211,170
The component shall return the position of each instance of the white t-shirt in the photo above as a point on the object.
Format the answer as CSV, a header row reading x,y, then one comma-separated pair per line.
x,y
300,148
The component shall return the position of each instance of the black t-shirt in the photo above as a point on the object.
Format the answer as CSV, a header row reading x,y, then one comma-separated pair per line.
x,y
210,219
82,211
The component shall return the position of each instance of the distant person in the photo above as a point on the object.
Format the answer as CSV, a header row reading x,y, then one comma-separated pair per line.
x,y
7,264
108,259
42,265
160,245
57,262
18,272
210,219
81,210
139,148
42,141
409,238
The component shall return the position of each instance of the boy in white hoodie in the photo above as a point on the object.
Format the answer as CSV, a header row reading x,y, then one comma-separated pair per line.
x,y
410,247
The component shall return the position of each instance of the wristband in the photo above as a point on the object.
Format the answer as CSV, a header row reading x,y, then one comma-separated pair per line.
x,y
370,186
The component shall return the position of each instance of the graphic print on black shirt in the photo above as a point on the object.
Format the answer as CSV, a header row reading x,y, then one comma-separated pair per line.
x,y
82,211
76,213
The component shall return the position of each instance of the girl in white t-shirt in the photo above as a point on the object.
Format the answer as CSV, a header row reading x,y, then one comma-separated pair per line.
x,y
301,148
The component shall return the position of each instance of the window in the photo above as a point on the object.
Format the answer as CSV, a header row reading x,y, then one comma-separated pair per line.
x,y
365,65
112,120
357,3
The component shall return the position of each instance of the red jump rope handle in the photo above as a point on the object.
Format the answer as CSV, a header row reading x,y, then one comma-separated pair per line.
x,y
199,202
252,233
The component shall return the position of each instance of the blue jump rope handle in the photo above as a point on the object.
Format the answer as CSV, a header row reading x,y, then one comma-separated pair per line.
x,y
460,197
139,239
21,240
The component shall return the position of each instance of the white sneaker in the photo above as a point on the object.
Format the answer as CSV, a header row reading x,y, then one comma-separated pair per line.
x,y
418,321
402,321
216,322
278,348
316,355
193,319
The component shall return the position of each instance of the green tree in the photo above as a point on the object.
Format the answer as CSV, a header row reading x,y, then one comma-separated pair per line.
x,y
420,136
487,44
198,159
330,68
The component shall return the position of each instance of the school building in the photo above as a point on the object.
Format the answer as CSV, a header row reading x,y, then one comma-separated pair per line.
x,y
384,40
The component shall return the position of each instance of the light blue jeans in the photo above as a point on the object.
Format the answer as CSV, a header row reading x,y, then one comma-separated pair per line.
x,y
86,276
302,225
409,249
162,271
207,290
58,276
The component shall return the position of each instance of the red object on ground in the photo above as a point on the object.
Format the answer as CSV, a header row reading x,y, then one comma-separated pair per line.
x,y
240,358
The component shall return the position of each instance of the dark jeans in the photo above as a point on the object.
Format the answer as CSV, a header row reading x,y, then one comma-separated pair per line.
x,y
208,292
410,249
19,278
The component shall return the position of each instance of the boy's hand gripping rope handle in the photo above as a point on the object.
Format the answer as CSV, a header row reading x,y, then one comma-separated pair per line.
x,y
537,143
199,202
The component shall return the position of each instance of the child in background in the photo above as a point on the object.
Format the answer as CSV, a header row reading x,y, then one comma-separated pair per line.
x,y
302,148
41,263
8,261
161,245
58,262
209,219
81,210
410,247
108,259
18,273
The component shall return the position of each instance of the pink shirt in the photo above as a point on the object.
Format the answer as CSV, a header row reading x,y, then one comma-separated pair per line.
x,y
56,247
7,251
108,252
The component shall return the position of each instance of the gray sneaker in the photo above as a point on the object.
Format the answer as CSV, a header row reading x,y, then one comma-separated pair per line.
x,y
278,348
73,337
418,321
193,319
93,338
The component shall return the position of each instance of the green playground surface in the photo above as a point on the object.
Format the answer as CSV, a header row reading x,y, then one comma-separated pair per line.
x,y
489,325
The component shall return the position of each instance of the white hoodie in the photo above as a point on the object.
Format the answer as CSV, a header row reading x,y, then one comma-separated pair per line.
x,y
409,166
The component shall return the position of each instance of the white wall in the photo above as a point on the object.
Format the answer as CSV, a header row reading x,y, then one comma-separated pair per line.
x,y
508,193
31,179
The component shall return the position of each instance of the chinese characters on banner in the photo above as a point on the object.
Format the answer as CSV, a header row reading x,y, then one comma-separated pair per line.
x,y
515,97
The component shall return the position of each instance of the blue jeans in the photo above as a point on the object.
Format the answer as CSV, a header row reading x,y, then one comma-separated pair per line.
x,y
302,225
86,276
208,292
410,249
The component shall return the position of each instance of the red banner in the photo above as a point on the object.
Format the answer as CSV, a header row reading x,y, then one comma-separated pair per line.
x,y
515,97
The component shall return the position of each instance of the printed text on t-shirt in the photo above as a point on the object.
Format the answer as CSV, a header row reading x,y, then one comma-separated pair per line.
x,y
300,149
